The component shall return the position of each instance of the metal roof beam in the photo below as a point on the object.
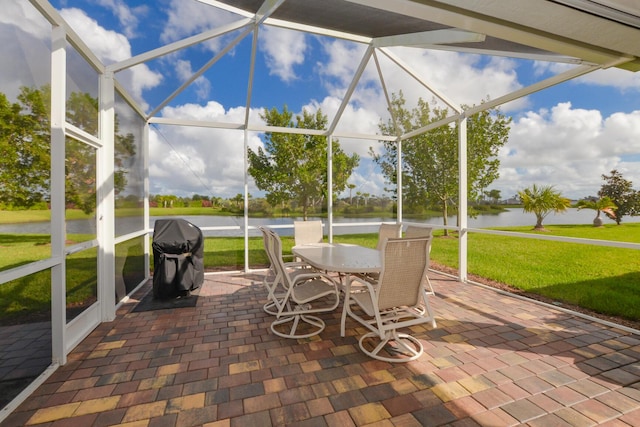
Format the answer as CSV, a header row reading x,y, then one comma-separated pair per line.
x,y
54,18
227,7
351,89
428,38
317,30
260,128
180,44
550,57
409,70
267,8
536,87
470,20
201,71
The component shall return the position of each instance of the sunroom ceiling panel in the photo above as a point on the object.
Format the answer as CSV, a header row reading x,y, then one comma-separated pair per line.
x,y
596,31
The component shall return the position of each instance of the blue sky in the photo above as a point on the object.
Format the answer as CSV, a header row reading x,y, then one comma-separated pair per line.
x,y
566,136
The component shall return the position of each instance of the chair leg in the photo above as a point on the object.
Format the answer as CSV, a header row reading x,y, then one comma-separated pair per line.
x,y
430,290
426,308
345,306
429,311
407,347
298,320
271,307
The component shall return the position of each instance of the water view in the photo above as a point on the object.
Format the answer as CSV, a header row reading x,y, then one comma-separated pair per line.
x,y
233,226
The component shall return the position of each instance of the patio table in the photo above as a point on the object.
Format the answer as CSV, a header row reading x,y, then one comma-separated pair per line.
x,y
345,259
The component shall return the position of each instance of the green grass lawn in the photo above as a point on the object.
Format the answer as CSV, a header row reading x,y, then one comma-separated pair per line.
x,y
598,278
602,279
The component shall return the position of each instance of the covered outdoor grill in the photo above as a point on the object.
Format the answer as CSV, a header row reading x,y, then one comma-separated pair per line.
x,y
178,258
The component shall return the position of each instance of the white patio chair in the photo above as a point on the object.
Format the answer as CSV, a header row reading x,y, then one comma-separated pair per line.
x,y
272,282
306,292
417,231
385,232
388,231
398,300
305,232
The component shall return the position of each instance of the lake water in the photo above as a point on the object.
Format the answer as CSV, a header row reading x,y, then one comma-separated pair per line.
x,y
511,217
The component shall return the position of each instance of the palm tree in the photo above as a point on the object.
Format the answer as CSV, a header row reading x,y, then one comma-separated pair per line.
x,y
351,187
541,201
603,204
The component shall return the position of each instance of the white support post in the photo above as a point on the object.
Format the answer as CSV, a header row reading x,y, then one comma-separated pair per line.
x,y
462,198
247,112
106,199
399,182
58,231
246,200
330,187
146,185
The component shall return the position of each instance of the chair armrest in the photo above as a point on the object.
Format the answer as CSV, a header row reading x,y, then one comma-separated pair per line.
x,y
302,276
296,264
361,280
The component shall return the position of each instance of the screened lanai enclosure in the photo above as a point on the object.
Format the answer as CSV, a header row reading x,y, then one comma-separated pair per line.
x,y
85,141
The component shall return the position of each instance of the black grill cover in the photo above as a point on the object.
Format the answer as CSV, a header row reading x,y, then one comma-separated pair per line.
x,y
178,258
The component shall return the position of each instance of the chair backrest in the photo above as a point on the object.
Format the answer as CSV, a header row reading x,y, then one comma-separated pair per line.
x,y
388,231
404,265
275,256
273,247
417,231
265,238
266,241
306,232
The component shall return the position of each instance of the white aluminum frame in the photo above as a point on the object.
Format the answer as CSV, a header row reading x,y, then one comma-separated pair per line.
x,y
66,336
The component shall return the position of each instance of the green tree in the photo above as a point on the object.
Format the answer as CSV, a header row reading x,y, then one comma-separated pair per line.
x,y
620,191
24,148
82,111
603,204
541,201
430,160
351,187
216,201
238,199
25,142
494,195
294,166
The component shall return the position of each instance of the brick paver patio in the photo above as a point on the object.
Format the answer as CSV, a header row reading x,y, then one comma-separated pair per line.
x,y
493,360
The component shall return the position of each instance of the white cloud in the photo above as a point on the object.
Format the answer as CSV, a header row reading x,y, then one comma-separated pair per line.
x,y
283,50
29,19
186,18
340,66
107,45
187,160
462,79
127,16
624,129
26,48
569,149
202,85
367,179
110,46
561,146
613,77
356,120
